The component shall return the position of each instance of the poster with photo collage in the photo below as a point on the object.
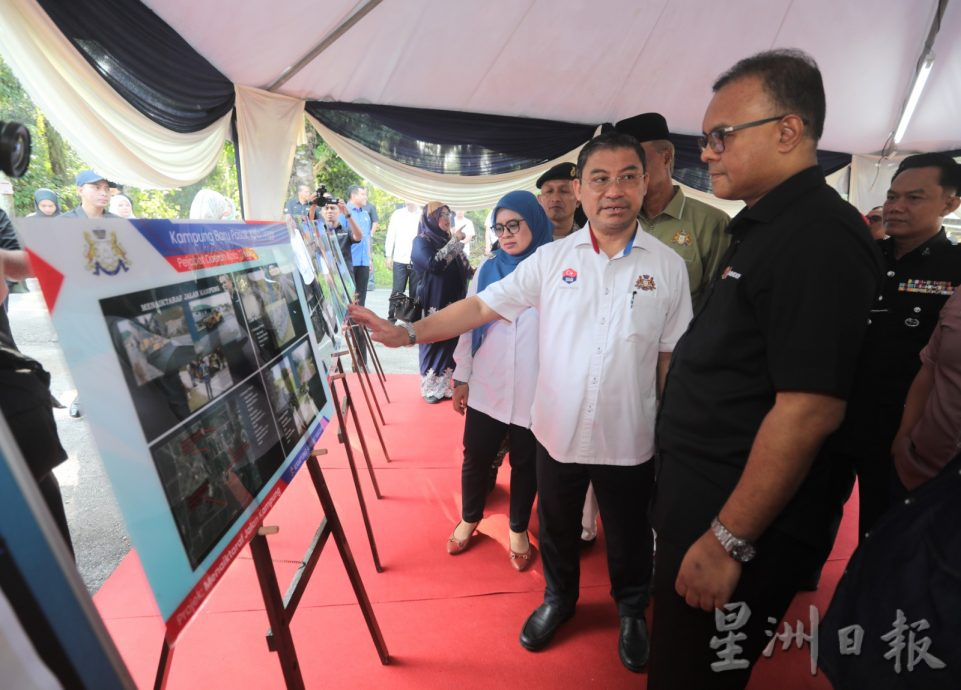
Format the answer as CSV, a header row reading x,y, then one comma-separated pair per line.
x,y
201,353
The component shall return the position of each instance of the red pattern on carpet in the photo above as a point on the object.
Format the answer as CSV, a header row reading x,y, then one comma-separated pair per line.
x,y
447,621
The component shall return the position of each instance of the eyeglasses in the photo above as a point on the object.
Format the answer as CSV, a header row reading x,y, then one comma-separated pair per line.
x,y
511,227
715,138
875,219
600,183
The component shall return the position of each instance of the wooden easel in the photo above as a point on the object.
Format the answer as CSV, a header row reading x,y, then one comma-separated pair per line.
x,y
351,339
341,407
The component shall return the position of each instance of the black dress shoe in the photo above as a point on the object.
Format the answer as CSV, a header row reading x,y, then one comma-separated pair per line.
x,y
632,645
542,624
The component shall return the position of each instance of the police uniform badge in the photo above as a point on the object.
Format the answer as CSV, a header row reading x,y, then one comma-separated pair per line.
x,y
682,238
645,282
104,253
569,276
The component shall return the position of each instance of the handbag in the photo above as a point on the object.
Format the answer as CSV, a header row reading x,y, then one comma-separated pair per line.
x,y
26,404
405,308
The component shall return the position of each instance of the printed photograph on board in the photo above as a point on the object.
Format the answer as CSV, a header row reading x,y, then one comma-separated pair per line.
x,y
272,308
180,347
296,393
213,466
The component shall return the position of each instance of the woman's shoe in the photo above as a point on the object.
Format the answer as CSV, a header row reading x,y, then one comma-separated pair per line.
x,y
455,545
522,561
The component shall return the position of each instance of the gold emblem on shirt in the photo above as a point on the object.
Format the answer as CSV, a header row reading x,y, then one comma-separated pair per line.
x,y
645,282
682,238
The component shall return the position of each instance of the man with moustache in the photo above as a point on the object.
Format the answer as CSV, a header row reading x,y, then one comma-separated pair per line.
x,y
744,500
556,197
612,301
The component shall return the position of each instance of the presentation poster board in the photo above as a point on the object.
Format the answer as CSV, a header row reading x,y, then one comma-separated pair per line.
x,y
324,298
194,349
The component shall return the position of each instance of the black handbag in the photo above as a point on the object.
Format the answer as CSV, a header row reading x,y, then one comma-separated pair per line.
x,y
405,308
26,404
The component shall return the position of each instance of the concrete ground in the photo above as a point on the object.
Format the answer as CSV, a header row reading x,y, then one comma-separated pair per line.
x,y
96,527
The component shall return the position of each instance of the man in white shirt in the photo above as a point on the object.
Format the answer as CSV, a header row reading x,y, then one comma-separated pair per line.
x,y
466,226
401,231
613,301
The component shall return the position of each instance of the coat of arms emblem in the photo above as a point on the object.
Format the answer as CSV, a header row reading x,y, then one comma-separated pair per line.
x,y
104,253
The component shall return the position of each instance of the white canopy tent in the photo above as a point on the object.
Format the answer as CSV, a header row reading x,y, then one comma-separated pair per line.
x,y
556,59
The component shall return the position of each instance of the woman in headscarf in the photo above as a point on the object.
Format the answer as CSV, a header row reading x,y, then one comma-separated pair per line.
x,y
439,261
210,205
494,383
120,205
46,202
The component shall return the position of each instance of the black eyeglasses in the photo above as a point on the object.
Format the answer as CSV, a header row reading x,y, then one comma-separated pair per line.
x,y
511,227
715,138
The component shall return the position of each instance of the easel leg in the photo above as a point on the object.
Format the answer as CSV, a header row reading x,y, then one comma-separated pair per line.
x,y
352,347
337,531
274,603
377,366
353,466
163,667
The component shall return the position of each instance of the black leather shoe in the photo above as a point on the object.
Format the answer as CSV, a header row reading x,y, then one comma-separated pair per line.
x,y
632,645
541,626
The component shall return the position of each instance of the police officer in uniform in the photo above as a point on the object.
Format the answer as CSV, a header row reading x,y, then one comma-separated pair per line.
x,y
921,269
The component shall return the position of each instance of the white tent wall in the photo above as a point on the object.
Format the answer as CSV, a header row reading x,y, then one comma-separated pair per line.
x,y
488,57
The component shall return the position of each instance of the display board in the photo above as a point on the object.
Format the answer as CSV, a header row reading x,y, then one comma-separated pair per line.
x,y
200,353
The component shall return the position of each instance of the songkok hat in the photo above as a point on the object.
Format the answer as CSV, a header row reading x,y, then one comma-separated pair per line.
x,y
561,171
645,127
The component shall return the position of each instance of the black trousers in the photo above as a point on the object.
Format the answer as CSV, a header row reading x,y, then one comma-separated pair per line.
x,y
483,436
361,278
623,495
681,652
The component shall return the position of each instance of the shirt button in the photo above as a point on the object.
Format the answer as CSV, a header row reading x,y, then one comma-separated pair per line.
x,y
607,291
890,274
594,380
880,298
598,350
603,321
917,310
869,322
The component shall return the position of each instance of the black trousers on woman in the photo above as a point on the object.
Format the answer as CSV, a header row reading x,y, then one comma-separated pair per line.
x,y
482,439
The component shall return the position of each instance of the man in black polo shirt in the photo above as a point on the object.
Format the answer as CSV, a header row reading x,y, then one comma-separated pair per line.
x,y
758,381
921,269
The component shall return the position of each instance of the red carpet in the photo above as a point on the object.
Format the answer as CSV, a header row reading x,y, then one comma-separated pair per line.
x,y
447,621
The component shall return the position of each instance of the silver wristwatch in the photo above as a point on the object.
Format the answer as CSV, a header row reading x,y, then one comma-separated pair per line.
x,y
739,549
411,335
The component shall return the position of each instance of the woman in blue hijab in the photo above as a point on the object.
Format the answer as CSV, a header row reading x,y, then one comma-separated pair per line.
x,y
494,384
442,272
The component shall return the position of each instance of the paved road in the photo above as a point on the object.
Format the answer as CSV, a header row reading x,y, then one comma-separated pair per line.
x,y
99,536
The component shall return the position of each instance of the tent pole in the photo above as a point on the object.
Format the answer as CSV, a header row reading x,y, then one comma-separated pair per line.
x,y
328,40
240,177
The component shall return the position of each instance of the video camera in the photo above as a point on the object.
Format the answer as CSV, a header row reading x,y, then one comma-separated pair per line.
x,y
14,148
322,197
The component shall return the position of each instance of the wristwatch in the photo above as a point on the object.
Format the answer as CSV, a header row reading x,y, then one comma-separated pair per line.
x,y
411,335
740,550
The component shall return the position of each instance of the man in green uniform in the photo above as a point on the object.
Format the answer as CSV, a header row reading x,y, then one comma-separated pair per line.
x,y
691,228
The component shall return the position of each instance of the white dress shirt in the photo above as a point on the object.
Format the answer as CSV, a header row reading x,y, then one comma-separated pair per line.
x,y
602,324
401,231
502,373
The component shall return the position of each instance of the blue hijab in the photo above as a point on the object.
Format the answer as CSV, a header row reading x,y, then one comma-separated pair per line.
x,y
501,263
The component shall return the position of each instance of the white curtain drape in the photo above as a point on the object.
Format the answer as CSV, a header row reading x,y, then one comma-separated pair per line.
x,y
269,127
109,134
413,184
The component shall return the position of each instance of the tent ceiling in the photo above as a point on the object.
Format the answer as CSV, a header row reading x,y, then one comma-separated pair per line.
x,y
589,62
